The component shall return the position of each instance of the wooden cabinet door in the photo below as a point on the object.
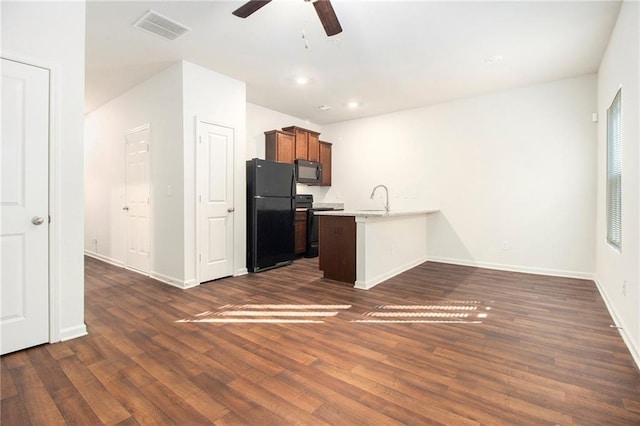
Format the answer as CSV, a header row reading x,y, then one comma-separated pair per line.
x,y
302,144
306,143
285,146
301,232
314,146
337,248
325,159
280,146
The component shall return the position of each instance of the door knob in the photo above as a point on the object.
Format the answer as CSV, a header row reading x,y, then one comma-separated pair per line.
x,y
231,210
37,220
126,208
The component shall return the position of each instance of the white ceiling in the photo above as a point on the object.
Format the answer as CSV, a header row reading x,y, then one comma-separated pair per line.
x,y
392,55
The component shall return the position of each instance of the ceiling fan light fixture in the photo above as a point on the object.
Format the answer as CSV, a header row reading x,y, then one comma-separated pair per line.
x,y
353,104
301,80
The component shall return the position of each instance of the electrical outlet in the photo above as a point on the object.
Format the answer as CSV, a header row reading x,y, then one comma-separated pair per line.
x,y
505,244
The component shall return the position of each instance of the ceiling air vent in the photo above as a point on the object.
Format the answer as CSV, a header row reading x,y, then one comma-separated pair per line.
x,y
160,25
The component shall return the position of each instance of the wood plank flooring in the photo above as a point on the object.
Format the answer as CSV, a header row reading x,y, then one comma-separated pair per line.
x,y
439,344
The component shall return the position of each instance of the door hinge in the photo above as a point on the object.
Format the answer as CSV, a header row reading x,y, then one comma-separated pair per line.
x,y
49,219
200,258
200,198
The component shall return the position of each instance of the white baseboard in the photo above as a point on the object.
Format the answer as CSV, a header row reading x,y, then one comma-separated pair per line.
x,y
175,282
622,329
366,285
514,268
73,332
190,284
240,272
105,259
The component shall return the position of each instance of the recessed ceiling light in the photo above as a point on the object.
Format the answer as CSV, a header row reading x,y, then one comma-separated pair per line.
x,y
496,59
324,108
353,104
301,81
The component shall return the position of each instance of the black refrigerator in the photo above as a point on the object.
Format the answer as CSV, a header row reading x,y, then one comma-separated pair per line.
x,y
271,207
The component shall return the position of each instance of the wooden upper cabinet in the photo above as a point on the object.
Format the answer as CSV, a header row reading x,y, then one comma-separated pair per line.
x,y
325,158
314,147
280,146
302,144
295,143
306,143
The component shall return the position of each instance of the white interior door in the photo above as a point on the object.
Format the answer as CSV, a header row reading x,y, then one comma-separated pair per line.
x,y
138,199
215,174
24,246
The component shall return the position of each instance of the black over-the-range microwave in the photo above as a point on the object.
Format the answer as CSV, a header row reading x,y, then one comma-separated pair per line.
x,y
309,172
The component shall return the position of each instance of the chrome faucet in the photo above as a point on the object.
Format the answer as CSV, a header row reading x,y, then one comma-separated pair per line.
x,y
386,190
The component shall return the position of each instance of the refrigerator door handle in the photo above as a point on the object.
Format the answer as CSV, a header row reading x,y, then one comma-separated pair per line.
x,y
293,196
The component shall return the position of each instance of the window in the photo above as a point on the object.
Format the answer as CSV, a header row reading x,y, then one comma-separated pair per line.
x,y
614,172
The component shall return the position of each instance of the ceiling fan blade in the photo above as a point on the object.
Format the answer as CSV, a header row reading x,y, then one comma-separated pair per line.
x,y
249,7
328,17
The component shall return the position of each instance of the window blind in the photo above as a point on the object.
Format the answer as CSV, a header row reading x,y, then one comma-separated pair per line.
x,y
614,172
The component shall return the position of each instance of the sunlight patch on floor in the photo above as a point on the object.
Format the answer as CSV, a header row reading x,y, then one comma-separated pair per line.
x,y
440,312
433,312
254,320
269,314
402,321
279,313
287,306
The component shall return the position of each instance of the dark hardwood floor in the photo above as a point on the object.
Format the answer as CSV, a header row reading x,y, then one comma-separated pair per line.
x,y
439,344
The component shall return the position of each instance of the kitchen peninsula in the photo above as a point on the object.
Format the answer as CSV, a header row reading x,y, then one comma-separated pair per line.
x,y
368,247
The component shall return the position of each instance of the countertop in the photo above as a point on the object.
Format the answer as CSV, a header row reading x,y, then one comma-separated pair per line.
x,y
375,213
337,206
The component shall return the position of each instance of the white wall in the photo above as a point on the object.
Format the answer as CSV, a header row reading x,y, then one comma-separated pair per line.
x,y
52,34
516,166
211,96
171,102
158,102
620,67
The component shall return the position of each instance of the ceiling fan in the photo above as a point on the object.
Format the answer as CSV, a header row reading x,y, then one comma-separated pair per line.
x,y
323,8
